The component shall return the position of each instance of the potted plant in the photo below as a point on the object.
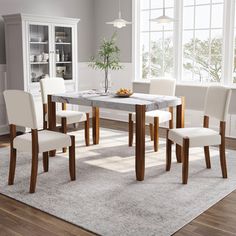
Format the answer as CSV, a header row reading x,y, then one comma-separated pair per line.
x,y
107,59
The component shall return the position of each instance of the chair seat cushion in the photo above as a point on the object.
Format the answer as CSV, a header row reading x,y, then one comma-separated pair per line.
x,y
71,116
48,140
162,115
198,137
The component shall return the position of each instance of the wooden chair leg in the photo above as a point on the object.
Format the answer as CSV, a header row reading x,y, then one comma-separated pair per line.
x,y
185,160
131,130
72,168
151,131
156,135
64,129
206,148
45,112
45,161
168,152
222,150
12,167
34,167
223,161
207,157
171,122
86,130
45,125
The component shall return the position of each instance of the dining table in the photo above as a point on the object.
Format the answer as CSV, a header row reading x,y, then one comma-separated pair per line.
x,y
137,102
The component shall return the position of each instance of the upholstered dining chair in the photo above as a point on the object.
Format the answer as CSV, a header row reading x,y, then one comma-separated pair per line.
x,y
164,87
216,106
64,117
21,112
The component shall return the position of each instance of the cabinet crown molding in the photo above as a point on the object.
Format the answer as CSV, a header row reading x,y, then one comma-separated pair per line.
x,y
19,17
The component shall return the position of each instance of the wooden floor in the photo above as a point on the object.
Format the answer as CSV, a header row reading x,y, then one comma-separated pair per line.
x,y
20,219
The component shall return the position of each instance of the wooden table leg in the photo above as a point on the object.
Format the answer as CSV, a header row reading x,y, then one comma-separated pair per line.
x,y
180,110
96,125
51,119
140,142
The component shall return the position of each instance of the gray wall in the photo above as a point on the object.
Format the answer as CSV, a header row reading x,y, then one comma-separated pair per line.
x,y
107,10
92,28
82,9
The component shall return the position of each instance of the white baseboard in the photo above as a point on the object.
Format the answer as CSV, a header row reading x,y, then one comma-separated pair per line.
x,y
4,129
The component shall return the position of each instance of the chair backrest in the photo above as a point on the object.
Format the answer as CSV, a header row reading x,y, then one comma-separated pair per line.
x,y
217,102
20,108
162,86
51,86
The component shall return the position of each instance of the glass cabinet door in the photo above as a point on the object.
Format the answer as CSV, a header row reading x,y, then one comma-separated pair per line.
x,y
63,52
38,52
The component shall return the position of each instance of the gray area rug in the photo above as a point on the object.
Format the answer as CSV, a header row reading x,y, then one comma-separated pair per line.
x,y
107,199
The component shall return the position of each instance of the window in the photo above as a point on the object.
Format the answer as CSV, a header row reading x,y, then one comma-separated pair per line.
x,y
156,41
202,40
234,60
200,46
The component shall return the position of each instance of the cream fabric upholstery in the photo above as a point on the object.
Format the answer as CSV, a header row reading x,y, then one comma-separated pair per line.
x,y
216,105
198,137
71,116
162,86
54,86
163,116
217,102
51,86
20,108
48,140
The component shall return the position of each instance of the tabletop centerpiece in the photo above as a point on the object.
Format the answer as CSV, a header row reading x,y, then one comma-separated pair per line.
x,y
107,59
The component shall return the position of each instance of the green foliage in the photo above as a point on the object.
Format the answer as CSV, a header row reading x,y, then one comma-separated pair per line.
x,y
196,55
198,51
108,56
157,65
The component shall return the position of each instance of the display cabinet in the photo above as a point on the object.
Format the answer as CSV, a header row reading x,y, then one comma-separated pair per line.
x,y
39,46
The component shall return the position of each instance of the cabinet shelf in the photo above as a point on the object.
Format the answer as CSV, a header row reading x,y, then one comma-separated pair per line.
x,y
63,62
44,43
62,43
39,63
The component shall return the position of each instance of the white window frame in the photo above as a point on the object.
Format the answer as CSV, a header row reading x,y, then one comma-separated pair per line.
x,y
227,48
209,29
228,42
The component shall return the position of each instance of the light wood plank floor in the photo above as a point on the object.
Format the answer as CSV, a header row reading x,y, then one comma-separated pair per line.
x,y
21,220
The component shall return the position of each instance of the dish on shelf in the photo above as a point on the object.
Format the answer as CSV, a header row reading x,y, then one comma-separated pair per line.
x,y
123,92
60,71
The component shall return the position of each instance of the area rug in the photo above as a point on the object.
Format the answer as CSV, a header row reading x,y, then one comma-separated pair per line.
x,y
106,198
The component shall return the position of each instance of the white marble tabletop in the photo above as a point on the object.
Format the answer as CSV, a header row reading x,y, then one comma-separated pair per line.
x,y
97,99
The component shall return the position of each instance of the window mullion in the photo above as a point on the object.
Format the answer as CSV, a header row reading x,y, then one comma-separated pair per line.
x,y
177,39
209,55
149,35
194,37
228,41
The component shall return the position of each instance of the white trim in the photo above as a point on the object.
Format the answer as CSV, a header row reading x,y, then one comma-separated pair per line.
x,y
185,83
13,18
135,40
228,41
177,42
4,129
